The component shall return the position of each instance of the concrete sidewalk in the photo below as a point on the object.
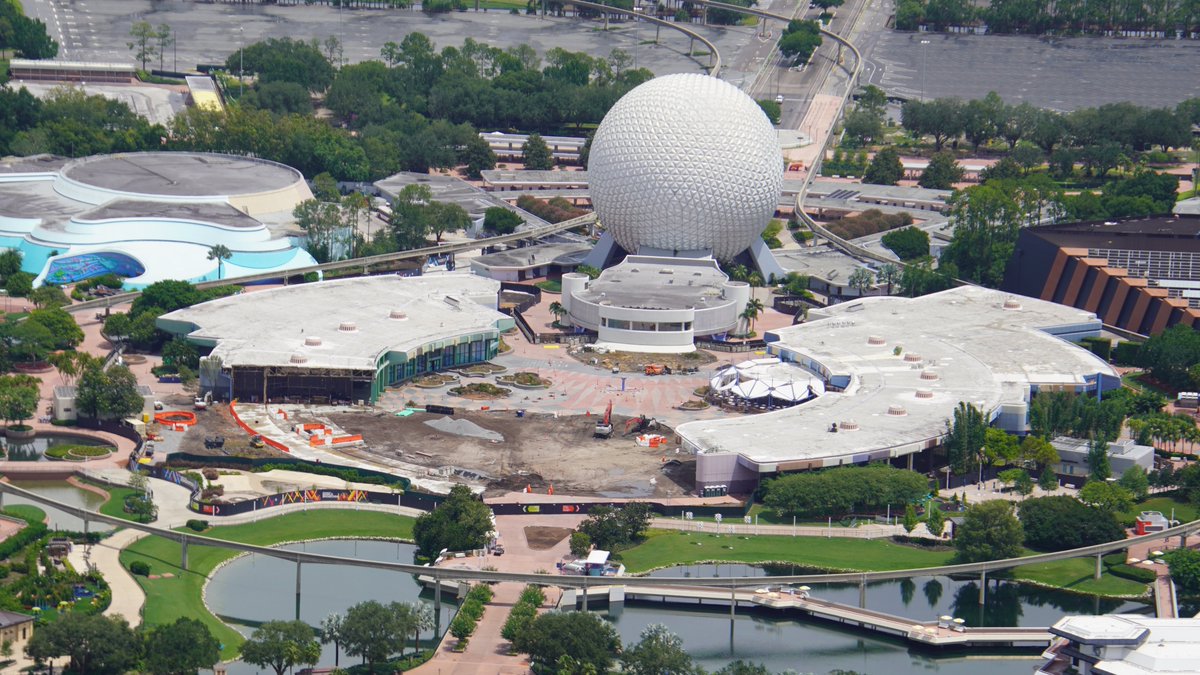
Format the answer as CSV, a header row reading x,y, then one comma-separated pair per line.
x,y
127,595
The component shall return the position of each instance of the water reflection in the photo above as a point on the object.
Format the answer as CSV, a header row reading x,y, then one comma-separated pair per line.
x,y
33,449
257,588
62,491
761,636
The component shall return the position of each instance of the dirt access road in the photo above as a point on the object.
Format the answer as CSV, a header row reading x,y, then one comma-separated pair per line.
x,y
538,450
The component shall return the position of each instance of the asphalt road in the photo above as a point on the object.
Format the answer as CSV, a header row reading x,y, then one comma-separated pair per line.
x,y
1061,74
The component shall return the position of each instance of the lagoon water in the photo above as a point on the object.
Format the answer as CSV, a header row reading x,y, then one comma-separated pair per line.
x,y
62,491
257,588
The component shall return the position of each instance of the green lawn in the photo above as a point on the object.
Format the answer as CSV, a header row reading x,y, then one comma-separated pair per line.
x,y
551,285
26,512
180,596
1077,575
115,506
1184,511
664,548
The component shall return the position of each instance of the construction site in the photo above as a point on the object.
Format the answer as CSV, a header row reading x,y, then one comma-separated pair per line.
x,y
499,451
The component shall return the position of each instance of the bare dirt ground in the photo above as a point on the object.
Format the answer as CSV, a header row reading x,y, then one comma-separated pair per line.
x,y
632,362
217,421
542,538
538,450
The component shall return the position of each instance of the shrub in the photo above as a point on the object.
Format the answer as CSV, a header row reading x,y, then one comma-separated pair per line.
x,y
908,243
1139,574
210,474
480,592
839,491
532,595
1059,523
197,525
139,568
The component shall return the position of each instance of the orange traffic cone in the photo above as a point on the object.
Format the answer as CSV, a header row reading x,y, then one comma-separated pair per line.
x,y
551,489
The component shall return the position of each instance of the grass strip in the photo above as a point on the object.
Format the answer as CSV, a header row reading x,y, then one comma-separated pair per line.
x,y
168,599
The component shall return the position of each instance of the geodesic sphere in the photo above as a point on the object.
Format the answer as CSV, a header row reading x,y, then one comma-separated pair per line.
x,y
685,162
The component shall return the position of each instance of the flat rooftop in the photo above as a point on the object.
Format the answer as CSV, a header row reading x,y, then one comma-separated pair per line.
x,y
181,174
1175,233
222,214
822,262
344,324
561,253
968,344
454,191
648,282
1150,645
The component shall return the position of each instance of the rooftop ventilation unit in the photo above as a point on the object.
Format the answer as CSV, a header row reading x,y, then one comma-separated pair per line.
x,y
912,358
312,341
929,375
398,315
896,411
347,327
1012,304
298,359
847,425
876,341
924,393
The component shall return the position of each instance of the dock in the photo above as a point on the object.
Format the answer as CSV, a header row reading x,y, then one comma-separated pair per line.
x,y
935,634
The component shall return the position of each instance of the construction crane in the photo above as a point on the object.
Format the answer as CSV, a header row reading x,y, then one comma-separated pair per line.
x,y
604,429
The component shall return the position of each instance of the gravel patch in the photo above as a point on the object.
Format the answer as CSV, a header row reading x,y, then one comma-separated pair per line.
x,y
460,427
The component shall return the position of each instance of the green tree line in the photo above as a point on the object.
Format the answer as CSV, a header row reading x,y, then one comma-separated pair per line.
x,y
1071,17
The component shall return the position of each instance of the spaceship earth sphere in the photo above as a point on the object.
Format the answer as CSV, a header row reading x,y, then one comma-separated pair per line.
x,y
685,162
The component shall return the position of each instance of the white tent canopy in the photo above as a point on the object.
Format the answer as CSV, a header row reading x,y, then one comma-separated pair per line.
x,y
759,378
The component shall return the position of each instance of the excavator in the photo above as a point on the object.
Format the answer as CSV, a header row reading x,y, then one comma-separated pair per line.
x,y
604,428
639,424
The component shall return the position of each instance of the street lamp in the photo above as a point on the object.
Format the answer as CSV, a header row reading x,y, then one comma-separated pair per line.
x,y
924,60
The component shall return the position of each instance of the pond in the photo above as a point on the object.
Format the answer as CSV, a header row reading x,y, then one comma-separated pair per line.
x,y
926,598
62,491
255,588
33,449
782,644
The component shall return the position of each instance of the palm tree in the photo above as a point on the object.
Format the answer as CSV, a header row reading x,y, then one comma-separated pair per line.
x,y
422,620
557,310
330,631
739,273
754,307
220,253
888,274
862,280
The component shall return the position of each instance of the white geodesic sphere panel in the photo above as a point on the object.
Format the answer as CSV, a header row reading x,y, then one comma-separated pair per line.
x,y
685,162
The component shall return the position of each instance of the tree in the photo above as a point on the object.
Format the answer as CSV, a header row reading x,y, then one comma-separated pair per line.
x,y
581,544
771,109
940,118
67,334
460,523
862,280
330,632
19,284
908,243
536,154
280,645
1169,354
942,172
1048,481
1106,496
1135,480
885,168
966,437
26,340
479,157
935,522
19,396
108,394
165,38
1099,467
142,44
96,644
1036,451
180,648
1060,523
501,220
889,274
220,253
751,312
989,531
373,631
863,125
557,309
910,518
583,636
48,296
741,667
610,527
10,262
1184,564
284,60
838,491
657,652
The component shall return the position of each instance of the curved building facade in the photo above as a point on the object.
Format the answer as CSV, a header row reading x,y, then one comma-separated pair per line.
x,y
150,216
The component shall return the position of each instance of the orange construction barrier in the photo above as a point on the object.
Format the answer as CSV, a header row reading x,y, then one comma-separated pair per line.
x,y
174,418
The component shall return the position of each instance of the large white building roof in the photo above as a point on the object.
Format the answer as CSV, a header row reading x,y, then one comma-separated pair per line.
x,y
903,365
341,325
1128,644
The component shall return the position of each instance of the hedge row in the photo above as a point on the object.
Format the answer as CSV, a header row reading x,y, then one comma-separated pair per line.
x,y
26,536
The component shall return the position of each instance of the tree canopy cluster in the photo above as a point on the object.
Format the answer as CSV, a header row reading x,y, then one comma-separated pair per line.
x,y
138,326
909,243
104,645
1061,522
800,39
1014,16
989,531
841,491
1173,357
25,36
71,123
554,210
460,523
613,528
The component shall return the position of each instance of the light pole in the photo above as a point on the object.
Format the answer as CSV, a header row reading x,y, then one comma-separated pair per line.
x,y
924,60
637,34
